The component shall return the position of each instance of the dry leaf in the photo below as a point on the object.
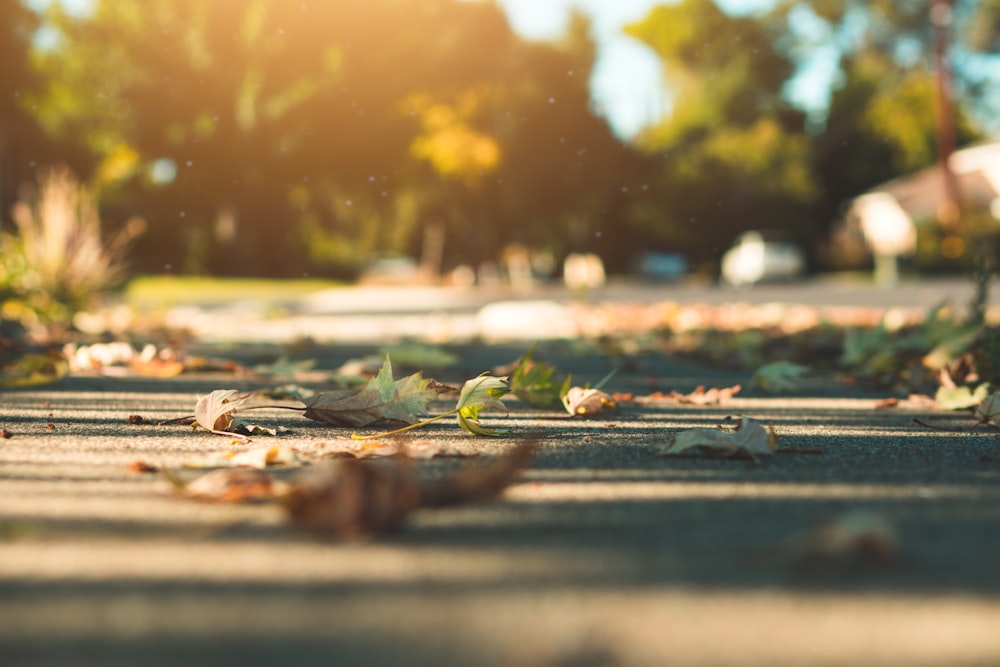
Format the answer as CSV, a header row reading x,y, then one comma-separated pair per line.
x,y
238,485
751,439
476,483
382,399
363,449
348,498
700,396
258,457
857,535
214,411
989,409
581,402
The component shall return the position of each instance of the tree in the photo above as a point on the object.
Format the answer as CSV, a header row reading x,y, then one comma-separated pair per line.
x,y
733,152
268,136
883,114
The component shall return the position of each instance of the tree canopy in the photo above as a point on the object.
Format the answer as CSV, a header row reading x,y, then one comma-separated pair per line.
x,y
275,138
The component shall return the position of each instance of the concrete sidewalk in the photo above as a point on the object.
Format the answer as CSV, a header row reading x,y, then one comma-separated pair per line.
x,y
603,553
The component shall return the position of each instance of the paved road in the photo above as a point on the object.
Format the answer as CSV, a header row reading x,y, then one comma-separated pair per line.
x,y
364,314
603,553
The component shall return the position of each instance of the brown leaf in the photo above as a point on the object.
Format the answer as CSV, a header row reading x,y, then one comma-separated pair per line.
x,y
701,396
581,402
140,467
382,399
476,483
236,485
857,535
349,498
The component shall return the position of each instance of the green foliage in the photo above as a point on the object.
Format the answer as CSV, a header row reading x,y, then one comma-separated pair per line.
x,y
532,381
307,136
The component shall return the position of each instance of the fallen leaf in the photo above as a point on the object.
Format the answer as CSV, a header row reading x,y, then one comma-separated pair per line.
x,y
236,485
581,402
382,399
532,382
989,409
857,535
476,482
258,457
157,367
779,377
214,412
751,439
961,397
140,467
478,394
700,396
350,498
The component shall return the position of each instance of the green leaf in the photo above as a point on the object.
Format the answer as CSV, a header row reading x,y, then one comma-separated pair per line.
x,y
478,394
532,382
382,399
961,398
779,376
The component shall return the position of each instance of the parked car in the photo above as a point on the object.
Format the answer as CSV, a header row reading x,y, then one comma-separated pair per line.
x,y
662,266
758,256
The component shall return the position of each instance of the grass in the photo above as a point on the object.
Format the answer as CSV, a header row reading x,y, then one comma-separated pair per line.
x,y
165,291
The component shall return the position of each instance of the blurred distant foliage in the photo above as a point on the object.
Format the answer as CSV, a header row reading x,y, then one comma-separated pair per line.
x,y
302,137
734,152
261,137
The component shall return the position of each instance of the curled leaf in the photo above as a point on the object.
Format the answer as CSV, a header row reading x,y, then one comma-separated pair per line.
x,y
751,439
478,394
581,402
214,412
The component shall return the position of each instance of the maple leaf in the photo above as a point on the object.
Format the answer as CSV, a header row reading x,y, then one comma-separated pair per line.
x,y
532,382
750,439
478,394
382,399
779,376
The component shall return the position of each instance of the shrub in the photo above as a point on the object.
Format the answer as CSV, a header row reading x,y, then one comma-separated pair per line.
x,y
57,263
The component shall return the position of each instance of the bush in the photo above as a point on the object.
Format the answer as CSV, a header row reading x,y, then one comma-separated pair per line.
x,y
57,264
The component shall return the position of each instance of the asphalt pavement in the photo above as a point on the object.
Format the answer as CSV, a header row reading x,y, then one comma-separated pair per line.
x,y
868,538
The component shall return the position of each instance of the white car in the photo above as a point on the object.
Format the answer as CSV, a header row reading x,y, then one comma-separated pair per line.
x,y
758,257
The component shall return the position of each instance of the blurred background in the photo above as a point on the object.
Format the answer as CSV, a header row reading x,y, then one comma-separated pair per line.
x,y
463,142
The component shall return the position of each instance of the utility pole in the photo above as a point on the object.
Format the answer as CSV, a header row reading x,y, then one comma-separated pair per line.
x,y
950,206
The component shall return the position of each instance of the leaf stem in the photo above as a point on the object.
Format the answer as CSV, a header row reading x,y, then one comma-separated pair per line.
x,y
408,427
